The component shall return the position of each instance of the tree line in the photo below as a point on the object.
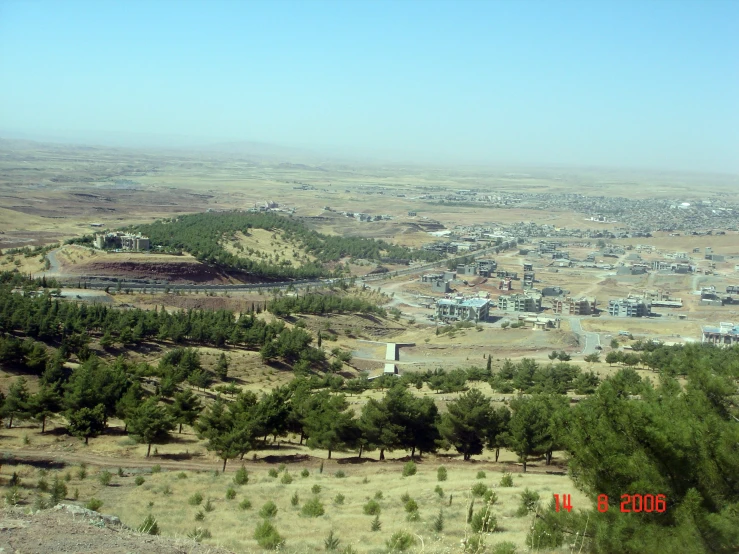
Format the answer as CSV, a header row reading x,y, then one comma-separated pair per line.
x,y
203,236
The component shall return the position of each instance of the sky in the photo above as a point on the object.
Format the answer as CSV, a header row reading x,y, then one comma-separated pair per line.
x,y
648,84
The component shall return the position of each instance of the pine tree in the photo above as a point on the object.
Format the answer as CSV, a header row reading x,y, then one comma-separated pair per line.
x,y
86,422
222,367
150,422
17,402
43,404
185,408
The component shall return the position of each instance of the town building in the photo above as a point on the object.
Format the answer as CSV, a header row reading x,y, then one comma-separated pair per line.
x,y
628,307
528,279
574,306
121,241
519,303
441,285
462,309
726,334
486,268
466,269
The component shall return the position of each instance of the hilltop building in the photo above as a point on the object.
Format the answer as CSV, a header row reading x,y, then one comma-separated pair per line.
x,y
122,241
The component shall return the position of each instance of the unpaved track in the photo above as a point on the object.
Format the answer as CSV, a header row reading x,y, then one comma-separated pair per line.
x,y
24,455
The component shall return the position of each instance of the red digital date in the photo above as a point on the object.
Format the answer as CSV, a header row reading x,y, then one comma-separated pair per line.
x,y
636,503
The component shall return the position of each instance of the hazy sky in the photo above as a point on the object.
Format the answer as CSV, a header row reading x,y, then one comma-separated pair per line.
x,y
634,84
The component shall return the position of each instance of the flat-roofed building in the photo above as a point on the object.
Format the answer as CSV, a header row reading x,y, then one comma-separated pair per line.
x,y
519,303
628,307
462,309
726,334
574,306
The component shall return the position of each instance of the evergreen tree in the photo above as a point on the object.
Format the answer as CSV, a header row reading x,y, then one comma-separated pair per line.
x,y
86,422
185,409
17,402
150,422
466,422
222,367
328,424
45,403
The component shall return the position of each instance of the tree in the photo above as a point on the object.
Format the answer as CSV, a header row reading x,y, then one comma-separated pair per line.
x,y
498,430
466,422
106,341
614,344
129,402
16,403
45,403
528,429
150,422
592,358
503,325
222,367
228,435
614,357
328,424
185,409
86,422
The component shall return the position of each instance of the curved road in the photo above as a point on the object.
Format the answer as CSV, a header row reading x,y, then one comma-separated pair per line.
x,y
591,340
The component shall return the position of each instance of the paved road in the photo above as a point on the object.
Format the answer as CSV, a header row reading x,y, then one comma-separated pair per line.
x,y
588,340
95,282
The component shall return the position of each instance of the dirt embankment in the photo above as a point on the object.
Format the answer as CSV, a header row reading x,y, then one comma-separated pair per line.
x,y
75,530
171,271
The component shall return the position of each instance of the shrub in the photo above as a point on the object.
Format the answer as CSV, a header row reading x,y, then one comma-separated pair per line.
x,y
295,499
413,516
81,473
273,473
42,485
245,504
364,481
139,480
474,544
376,524
490,497
339,499
411,506
39,503
405,497
120,472
241,477
320,468
378,495
281,468
182,475
230,493
315,489
94,504
372,508
438,523
149,526
156,468
267,536
438,490
529,502
479,489
506,480
198,534
13,496
504,548
286,478
409,468
67,477
195,499
208,507
58,491
304,473
481,475
312,508
76,494
166,490
331,543
483,521
200,515
441,474
400,541
268,510
340,474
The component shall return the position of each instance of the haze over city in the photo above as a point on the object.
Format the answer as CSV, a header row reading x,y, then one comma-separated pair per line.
x,y
621,84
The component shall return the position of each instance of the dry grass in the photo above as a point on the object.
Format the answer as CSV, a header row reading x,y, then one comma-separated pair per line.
x,y
165,495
